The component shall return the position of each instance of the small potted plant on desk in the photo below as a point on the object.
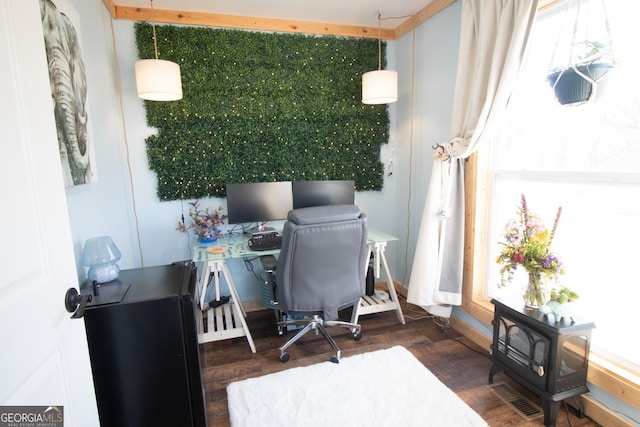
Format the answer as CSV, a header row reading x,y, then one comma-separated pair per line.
x,y
204,222
576,83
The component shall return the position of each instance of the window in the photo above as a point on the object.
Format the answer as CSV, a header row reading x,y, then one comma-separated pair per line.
x,y
586,159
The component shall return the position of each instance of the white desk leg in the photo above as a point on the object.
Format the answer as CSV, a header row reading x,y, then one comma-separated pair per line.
x,y
232,287
225,330
237,304
392,288
372,304
204,282
356,309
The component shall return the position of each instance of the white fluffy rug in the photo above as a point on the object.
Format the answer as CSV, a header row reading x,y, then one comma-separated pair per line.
x,y
382,388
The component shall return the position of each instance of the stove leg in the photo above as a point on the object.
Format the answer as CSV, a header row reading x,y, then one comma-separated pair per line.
x,y
495,368
550,408
579,404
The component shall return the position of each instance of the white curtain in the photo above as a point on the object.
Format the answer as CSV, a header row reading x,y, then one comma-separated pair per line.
x,y
493,38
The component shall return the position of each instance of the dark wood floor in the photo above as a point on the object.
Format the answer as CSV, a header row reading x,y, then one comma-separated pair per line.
x,y
455,360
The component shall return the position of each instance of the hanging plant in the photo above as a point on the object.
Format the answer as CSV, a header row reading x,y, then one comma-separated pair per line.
x,y
578,82
578,69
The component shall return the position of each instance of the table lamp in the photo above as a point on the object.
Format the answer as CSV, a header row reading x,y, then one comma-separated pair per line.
x,y
100,255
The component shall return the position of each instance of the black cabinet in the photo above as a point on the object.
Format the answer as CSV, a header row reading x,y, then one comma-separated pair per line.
x,y
548,357
144,349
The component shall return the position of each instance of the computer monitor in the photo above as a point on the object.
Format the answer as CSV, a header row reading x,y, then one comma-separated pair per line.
x,y
321,193
258,202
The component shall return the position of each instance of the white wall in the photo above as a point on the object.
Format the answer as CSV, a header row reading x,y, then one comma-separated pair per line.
x,y
101,208
429,74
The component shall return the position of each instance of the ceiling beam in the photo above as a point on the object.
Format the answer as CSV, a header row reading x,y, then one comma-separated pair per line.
x,y
110,7
423,15
281,25
248,23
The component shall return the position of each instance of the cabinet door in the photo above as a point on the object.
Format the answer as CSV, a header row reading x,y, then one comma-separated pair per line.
x,y
139,367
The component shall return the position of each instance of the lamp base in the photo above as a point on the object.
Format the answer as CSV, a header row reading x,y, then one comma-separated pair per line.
x,y
103,273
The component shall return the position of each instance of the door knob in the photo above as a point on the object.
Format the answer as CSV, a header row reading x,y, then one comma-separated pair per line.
x,y
76,303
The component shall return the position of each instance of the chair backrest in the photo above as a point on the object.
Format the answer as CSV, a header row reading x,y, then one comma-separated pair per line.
x,y
322,263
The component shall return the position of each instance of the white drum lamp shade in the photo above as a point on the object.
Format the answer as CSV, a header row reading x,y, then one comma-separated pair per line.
x,y
380,87
158,80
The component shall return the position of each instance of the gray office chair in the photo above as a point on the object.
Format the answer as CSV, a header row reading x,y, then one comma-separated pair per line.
x,y
321,269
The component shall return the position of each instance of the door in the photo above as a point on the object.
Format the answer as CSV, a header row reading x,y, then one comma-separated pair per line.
x,y
44,358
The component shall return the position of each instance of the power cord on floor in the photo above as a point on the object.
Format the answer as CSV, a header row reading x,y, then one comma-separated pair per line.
x,y
566,409
408,308
443,324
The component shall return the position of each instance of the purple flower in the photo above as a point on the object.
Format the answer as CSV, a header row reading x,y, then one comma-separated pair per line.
x,y
550,261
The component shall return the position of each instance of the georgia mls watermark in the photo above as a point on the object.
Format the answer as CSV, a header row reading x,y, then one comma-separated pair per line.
x,y
31,416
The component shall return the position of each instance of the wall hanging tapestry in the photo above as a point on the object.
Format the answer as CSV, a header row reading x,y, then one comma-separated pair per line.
x,y
61,26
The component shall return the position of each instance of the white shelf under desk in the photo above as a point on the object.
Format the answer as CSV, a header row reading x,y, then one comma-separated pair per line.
x,y
373,304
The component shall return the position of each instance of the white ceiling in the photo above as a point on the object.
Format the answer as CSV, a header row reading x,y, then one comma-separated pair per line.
x,y
344,12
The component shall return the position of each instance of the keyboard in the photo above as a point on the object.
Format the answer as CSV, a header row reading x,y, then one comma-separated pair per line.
x,y
265,242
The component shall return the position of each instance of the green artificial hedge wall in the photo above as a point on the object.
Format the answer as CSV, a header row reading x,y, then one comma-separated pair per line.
x,y
262,107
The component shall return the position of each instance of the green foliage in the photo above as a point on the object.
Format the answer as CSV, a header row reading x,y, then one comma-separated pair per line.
x,y
563,295
262,107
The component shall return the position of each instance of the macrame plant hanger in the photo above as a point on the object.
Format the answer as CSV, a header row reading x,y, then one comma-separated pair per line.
x,y
588,53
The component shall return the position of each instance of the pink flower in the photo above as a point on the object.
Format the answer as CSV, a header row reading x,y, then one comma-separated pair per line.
x,y
517,258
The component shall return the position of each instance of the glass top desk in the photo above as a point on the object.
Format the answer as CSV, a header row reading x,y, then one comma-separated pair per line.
x,y
228,320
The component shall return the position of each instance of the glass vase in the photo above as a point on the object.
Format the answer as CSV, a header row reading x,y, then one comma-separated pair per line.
x,y
538,290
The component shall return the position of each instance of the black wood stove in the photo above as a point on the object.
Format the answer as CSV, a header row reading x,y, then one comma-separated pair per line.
x,y
548,357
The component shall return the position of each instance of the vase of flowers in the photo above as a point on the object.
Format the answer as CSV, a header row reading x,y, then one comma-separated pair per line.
x,y
204,222
527,243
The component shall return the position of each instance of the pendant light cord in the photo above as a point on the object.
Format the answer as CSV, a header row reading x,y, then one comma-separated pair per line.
x,y
380,18
379,43
153,26
410,169
126,145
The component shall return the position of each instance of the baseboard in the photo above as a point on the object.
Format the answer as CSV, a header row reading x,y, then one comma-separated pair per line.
x,y
601,414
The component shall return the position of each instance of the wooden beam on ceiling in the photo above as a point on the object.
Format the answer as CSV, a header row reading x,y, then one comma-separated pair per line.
x,y
423,15
110,7
249,23
281,25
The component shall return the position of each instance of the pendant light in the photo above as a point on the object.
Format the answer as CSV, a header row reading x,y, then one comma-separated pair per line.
x,y
380,86
158,79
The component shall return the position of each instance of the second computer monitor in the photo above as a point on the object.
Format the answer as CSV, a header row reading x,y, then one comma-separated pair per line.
x,y
319,193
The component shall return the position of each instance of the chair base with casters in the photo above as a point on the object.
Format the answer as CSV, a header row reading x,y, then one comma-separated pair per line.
x,y
317,324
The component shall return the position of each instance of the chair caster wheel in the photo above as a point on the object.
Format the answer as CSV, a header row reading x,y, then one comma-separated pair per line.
x,y
334,359
284,357
357,336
